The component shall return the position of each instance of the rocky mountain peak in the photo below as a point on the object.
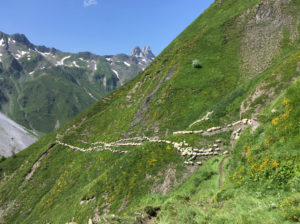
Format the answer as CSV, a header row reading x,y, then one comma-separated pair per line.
x,y
136,52
148,53
144,55
21,38
3,35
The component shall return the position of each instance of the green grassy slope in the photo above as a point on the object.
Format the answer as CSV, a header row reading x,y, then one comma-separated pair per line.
x,y
261,178
260,174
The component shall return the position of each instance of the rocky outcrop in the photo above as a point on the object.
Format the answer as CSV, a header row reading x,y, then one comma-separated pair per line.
x,y
264,32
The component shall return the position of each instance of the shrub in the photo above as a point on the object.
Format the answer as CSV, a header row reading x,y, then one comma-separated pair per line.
x,y
151,211
2,158
196,63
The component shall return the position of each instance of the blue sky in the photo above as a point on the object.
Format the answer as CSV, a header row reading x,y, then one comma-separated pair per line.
x,y
100,26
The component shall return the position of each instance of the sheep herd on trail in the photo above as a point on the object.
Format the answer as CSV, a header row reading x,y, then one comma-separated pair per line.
x,y
183,148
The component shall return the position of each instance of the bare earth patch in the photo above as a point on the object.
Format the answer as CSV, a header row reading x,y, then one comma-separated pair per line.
x,y
170,180
37,163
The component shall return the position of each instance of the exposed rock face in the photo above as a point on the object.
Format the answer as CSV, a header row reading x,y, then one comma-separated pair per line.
x,y
264,33
220,2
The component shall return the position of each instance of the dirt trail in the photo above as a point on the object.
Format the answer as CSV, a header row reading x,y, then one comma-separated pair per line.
x,y
37,163
221,170
206,133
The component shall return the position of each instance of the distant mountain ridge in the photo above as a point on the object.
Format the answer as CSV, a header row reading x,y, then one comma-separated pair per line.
x,y
11,43
41,88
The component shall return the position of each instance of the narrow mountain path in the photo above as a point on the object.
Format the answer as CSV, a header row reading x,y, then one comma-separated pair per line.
x,y
221,166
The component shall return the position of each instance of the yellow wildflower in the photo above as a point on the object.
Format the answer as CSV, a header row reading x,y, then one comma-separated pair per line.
x,y
275,163
286,101
275,121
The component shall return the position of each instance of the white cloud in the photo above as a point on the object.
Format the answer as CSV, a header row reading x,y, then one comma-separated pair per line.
x,y
87,3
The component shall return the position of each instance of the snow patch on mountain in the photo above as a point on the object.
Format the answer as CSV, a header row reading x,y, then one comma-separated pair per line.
x,y
10,40
45,54
91,95
116,73
75,64
61,62
2,44
127,64
21,54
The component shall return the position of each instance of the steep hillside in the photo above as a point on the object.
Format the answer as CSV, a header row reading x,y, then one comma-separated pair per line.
x,y
41,88
209,133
